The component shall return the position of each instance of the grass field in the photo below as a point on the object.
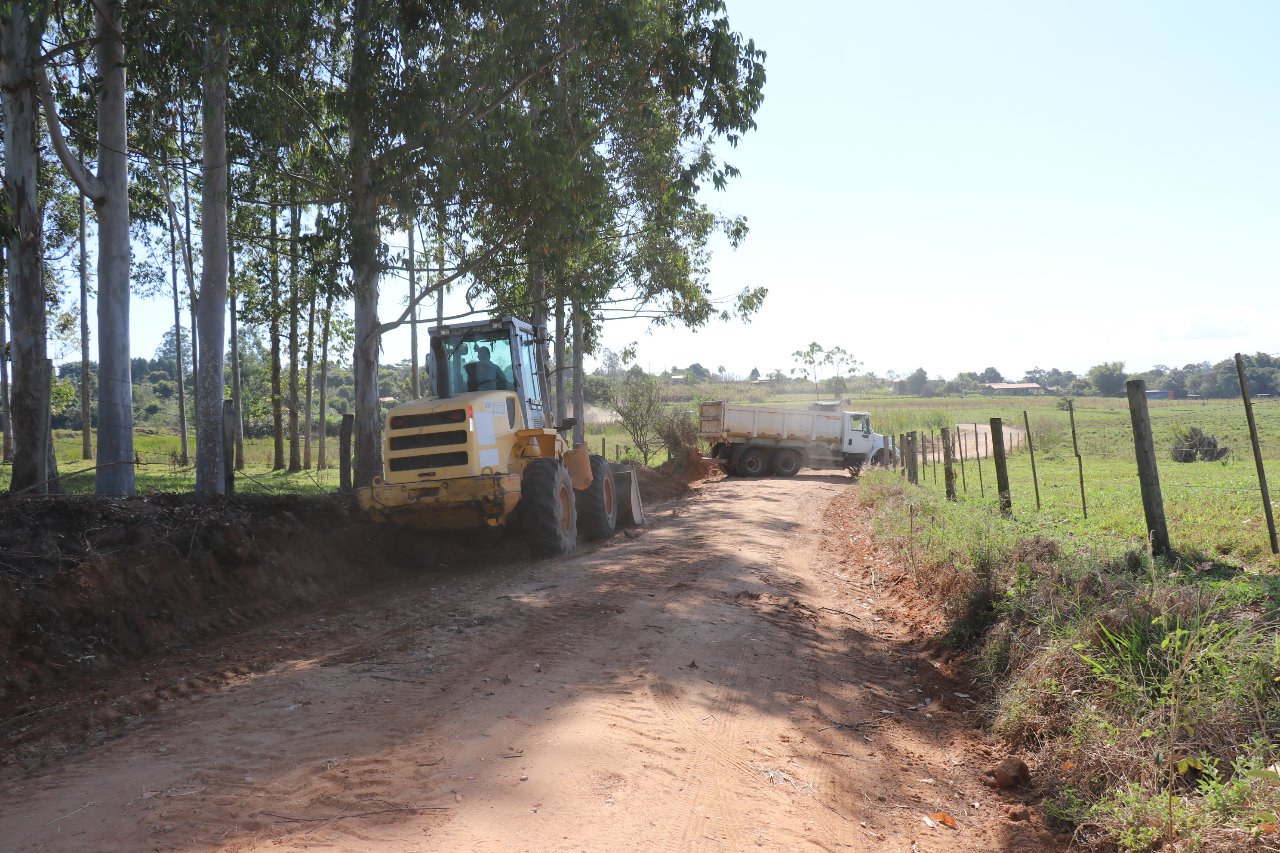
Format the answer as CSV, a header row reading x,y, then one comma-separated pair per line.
x,y
1214,509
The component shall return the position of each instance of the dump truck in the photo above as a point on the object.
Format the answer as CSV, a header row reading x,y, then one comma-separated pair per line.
x,y
752,441
479,450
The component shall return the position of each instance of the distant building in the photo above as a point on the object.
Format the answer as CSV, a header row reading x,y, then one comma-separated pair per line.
x,y
677,379
1017,389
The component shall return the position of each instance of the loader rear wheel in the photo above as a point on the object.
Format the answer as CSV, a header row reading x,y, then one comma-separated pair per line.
x,y
786,463
753,463
598,502
547,508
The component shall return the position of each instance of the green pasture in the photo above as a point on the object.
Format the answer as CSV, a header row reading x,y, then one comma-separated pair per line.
x,y
160,468
1214,509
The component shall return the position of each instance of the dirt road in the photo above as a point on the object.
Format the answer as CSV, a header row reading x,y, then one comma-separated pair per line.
x,y
738,676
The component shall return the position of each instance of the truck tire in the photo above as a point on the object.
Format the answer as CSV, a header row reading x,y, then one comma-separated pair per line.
x,y
547,509
598,503
786,463
754,462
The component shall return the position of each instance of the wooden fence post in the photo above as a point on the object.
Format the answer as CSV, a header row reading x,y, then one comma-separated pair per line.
x,y
1075,446
933,457
1257,453
1031,447
948,469
977,460
604,451
1148,473
228,447
913,463
344,452
964,480
1002,468
902,454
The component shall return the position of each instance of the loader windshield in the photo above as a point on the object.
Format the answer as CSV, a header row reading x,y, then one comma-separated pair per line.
x,y
479,361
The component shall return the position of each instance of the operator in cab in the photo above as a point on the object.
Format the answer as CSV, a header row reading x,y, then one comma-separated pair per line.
x,y
483,374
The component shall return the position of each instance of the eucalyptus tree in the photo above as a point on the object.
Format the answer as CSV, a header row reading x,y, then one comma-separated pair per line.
x,y
22,26
108,189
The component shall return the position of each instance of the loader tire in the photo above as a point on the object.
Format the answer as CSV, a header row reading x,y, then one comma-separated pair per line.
x,y
547,510
598,503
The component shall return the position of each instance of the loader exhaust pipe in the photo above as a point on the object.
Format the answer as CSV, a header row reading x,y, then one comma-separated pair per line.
x,y
439,368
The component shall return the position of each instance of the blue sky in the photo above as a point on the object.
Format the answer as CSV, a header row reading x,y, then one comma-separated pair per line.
x,y
956,185
960,185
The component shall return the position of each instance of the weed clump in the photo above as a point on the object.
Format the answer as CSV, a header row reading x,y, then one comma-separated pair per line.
x,y
1191,445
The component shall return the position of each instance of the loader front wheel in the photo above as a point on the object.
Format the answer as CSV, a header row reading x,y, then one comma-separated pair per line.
x,y
547,510
597,504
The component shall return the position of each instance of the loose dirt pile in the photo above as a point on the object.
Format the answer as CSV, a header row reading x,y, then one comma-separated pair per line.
x,y
88,582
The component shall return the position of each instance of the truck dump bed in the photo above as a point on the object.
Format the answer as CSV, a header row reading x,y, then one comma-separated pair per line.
x,y
719,421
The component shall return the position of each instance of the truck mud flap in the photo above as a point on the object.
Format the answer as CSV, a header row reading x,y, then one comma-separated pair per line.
x,y
627,489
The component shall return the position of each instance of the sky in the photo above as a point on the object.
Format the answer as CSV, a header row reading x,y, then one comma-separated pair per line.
x,y
956,186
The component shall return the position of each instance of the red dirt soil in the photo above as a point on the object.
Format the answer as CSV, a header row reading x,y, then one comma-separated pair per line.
x,y
749,672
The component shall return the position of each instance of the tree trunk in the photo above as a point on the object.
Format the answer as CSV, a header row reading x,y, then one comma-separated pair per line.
x,y
19,51
86,412
324,383
273,332
415,377
295,302
115,385
537,286
364,255
6,447
562,404
177,340
212,308
311,363
236,396
51,470
579,391
187,253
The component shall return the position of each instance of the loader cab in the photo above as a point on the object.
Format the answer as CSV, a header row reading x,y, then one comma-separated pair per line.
x,y
492,355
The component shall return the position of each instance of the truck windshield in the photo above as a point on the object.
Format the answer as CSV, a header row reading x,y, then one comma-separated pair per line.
x,y
479,361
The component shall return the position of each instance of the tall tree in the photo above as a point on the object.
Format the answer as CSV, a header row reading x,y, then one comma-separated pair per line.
x,y
6,441
21,26
294,307
212,307
109,192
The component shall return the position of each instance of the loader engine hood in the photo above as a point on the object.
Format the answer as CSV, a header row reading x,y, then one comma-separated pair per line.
x,y
464,435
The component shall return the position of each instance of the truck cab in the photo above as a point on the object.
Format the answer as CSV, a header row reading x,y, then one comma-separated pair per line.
x,y
857,441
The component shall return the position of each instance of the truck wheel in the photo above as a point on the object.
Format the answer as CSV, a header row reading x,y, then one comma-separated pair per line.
x,y
786,463
547,508
598,504
753,463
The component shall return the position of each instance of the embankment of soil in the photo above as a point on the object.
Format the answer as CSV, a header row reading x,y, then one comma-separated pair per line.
x,y
86,583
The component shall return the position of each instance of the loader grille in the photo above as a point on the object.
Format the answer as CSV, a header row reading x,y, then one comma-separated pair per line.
x,y
428,460
428,439
454,416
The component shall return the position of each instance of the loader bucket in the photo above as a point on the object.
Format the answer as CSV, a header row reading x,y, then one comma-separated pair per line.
x,y
627,489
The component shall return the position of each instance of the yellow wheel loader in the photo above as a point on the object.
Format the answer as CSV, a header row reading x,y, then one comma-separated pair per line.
x,y
478,452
